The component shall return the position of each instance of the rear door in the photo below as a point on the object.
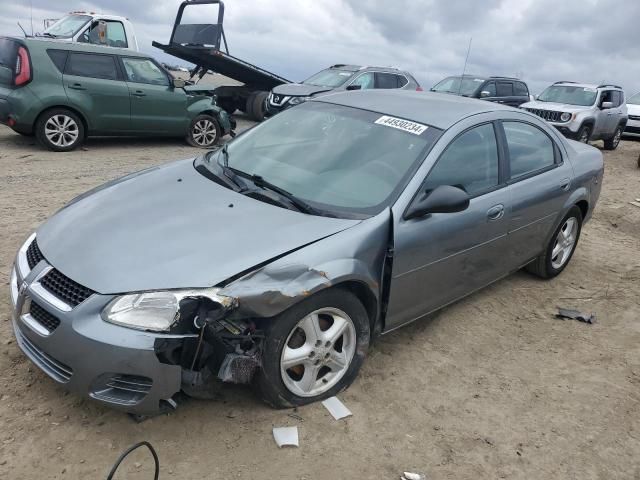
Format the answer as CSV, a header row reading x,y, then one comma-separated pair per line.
x,y
94,86
156,106
505,94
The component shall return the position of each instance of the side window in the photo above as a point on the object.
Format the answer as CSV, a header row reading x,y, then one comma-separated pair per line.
x,y
491,88
505,89
143,70
386,80
616,98
115,35
58,57
607,96
402,80
530,149
92,65
520,89
366,80
469,162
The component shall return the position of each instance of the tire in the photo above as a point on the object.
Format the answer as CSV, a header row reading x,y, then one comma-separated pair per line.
x,y
284,388
584,134
60,130
204,132
549,265
259,106
613,142
248,109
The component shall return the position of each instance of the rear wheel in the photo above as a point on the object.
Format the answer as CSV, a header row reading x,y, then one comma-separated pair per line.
x,y
561,247
204,131
259,106
584,134
60,130
613,142
313,350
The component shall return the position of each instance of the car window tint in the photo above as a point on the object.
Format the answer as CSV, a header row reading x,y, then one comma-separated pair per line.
x,y
505,89
143,70
90,65
366,80
530,149
386,80
469,162
607,96
114,34
521,89
616,98
402,81
491,88
58,57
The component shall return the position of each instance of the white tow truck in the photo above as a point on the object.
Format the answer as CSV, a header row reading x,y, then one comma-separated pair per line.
x,y
95,28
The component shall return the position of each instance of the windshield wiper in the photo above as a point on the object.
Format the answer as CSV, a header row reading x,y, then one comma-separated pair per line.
x,y
47,34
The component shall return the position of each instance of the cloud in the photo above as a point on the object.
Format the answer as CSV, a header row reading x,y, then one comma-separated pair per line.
x,y
541,40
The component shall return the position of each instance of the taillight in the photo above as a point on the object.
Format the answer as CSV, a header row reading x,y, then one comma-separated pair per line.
x,y
23,67
419,89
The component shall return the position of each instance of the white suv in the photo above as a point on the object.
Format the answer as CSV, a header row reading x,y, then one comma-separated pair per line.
x,y
583,112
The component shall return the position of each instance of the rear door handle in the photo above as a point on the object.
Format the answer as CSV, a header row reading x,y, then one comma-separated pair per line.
x,y
139,93
565,184
76,86
496,212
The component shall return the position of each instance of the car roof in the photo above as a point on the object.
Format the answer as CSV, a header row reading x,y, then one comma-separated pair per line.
x,y
79,47
586,85
434,109
360,68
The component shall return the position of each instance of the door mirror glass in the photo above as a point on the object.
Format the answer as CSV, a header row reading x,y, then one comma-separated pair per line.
x,y
443,199
606,105
354,87
179,83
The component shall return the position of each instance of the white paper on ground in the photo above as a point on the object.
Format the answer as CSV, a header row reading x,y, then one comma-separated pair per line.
x,y
286,436
336,408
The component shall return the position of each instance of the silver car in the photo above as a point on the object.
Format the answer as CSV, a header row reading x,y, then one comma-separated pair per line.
x,y
276,260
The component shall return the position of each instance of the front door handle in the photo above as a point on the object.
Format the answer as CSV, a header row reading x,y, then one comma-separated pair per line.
x,y
139,93
565,184
76,86
496,212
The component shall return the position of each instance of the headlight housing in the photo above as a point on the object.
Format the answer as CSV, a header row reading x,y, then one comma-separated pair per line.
x,y
566,116
298,100
156,311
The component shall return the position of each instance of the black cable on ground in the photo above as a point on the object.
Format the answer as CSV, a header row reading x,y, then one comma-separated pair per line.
x,y
131,449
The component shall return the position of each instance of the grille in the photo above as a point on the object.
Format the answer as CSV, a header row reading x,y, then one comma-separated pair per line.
x,y
43,317
52,367
34,255
65,289
548,115
123,389
634,117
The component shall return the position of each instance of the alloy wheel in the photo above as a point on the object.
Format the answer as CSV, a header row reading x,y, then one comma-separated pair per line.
x,y
565,243
204,133
318,352
617,137
61,130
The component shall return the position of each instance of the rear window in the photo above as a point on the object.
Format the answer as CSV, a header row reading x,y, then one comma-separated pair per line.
x,y
521,89
91,65
58,57
8,50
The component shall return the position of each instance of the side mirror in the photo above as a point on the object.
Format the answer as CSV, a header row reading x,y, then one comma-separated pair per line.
x,y
606,105
484,94
179,83
354,87
443,199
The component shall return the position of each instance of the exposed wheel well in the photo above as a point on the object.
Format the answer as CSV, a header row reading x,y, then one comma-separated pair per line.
x,y
65,107
584,207
367,298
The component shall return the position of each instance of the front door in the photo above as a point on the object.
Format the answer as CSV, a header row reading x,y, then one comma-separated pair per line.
x,y
94,87
156,106
444,256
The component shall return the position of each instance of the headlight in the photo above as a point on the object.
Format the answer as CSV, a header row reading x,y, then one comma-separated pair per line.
x,y
298,100
156,311
565,117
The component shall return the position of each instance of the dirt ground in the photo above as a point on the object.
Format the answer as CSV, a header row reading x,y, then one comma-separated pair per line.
x,y
492,387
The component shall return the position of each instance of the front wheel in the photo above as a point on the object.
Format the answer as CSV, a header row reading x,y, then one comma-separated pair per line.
x,y
59,130
204,132
313,350
561,247
584,134
613,142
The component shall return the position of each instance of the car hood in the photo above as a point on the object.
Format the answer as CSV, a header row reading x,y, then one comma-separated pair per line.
x,y
171,227
633,109
299,90
555,107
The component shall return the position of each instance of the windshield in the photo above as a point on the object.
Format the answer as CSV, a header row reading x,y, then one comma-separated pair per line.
x,y
329,78
68,26
570,95
453,85
635,100
337,159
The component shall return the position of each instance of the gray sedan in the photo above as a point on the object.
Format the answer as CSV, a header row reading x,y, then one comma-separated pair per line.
x,y
276,260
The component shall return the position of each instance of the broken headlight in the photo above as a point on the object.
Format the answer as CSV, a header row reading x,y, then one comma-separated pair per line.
x,y
156,311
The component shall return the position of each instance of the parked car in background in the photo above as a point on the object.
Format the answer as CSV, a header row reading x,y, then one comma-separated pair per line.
x,y
337,78
63,92
276,259
633,110
94,28
509,91
583,112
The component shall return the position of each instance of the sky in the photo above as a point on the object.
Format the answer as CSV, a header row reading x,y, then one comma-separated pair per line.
x,y
540,41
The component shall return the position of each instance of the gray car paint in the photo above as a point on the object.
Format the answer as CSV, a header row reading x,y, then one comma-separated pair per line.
x,y
431,261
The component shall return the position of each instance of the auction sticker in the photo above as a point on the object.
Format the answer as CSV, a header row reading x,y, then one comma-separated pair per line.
x,y
400,124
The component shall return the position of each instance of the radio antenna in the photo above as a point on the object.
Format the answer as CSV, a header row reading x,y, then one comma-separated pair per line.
x,y
464,69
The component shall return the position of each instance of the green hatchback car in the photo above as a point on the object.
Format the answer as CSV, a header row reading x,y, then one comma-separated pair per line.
x,y
64,92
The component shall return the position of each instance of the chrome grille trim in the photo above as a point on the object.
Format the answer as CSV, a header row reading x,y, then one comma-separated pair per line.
x,y
548,115
49,365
